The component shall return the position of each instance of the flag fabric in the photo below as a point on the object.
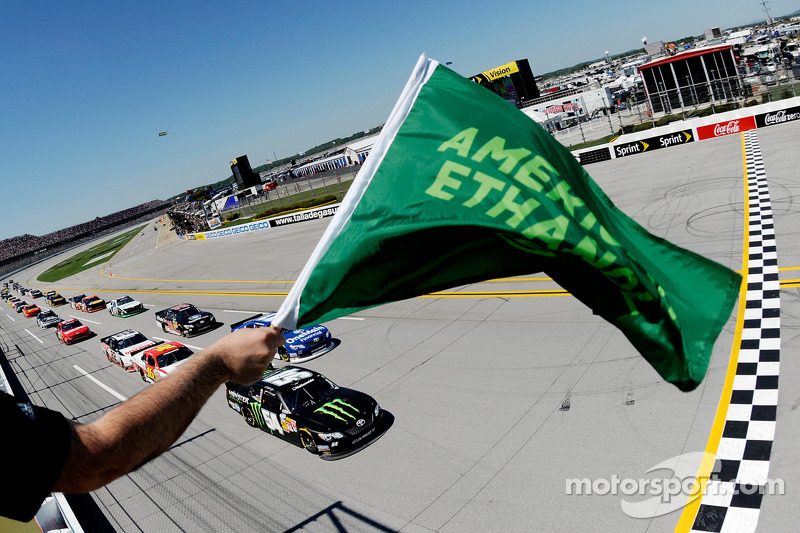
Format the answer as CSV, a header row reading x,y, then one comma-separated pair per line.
x,y
461,187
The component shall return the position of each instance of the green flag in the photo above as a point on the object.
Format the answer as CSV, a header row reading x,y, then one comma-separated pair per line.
x,y
461,187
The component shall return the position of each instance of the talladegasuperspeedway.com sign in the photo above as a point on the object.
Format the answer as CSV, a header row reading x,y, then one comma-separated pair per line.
x,y
303,216
250,227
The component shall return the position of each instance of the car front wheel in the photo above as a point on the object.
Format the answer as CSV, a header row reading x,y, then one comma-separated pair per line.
x,y
247,413
308,441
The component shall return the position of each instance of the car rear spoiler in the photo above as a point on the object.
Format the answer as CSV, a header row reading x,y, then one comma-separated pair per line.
x,y
237,324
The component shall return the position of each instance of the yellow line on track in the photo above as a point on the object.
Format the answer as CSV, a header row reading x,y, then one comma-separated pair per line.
x,y
273,282
689,513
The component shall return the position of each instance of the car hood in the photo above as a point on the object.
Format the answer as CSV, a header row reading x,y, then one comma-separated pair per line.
x,y
76,331
130,305
137,347
199,316
310,335
341,410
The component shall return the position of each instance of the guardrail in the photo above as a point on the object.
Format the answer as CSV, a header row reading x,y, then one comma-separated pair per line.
x,y
693,130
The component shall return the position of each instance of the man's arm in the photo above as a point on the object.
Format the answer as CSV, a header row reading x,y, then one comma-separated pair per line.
x,y
137,430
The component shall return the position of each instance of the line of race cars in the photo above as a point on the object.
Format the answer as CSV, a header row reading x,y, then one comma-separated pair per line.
x,y
295,404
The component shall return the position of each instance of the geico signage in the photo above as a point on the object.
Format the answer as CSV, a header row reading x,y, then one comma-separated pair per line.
x,y
778,117
720,129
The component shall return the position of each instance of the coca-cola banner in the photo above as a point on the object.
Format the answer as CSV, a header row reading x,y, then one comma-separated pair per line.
x,y
778,117
736,125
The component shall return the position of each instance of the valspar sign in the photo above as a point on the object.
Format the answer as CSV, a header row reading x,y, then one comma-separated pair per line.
x,y
778,117
720,129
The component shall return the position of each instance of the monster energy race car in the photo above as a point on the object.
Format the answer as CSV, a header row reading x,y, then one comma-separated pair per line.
x,y
308,410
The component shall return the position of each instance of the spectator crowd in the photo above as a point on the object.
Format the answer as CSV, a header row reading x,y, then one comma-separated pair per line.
x,y
17,251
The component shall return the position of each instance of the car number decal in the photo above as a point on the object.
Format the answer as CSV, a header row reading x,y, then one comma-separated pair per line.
x,y
271,420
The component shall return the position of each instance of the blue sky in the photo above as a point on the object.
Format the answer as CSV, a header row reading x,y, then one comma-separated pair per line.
x,y
85,87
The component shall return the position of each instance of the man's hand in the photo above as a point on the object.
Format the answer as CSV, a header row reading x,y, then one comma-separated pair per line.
x,y
246,354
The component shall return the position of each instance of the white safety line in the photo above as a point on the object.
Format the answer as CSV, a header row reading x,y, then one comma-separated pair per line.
x,y
34,336
84,319
111,391
243,312
149,305
349,318
187,345
9,316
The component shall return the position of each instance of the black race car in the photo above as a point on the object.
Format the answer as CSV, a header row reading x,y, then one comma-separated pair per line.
x,y
185,320
308,410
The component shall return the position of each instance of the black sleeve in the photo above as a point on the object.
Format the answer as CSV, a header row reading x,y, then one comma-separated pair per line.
x,y
34,445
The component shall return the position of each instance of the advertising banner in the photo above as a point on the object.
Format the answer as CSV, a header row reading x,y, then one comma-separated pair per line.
x,y
653,143
720,129
778,117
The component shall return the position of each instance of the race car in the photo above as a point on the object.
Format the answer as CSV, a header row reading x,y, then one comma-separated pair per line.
x,y
305,408
93,303
35,293
301,345
156,363
121,347
30,310
125,306
75,301
47,319
185,320
71,331
19,305
54,299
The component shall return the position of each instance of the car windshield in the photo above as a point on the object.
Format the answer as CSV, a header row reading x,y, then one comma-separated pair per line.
x,y
124,300
71,325
46,314
308,393
170,358
186,312
133,340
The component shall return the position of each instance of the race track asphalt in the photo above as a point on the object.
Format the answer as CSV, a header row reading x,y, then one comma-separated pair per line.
x,y
498,400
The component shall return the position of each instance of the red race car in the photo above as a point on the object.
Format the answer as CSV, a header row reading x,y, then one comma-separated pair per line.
x,y
71,331
156,363
30,310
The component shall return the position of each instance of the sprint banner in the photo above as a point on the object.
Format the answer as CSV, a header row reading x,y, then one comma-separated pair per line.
x,y
653,143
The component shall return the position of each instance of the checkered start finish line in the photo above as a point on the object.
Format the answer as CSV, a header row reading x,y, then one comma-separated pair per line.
x,y
732,501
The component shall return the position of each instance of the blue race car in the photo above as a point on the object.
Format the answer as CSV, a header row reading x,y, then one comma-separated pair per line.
x,y
301,345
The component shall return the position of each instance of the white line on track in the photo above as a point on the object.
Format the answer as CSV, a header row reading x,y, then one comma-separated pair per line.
x,y
244,312
149,305
114,393
34,336
85,320
349,318
9,316
187,345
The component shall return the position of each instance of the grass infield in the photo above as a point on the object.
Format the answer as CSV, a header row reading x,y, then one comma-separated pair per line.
x,y
90,258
